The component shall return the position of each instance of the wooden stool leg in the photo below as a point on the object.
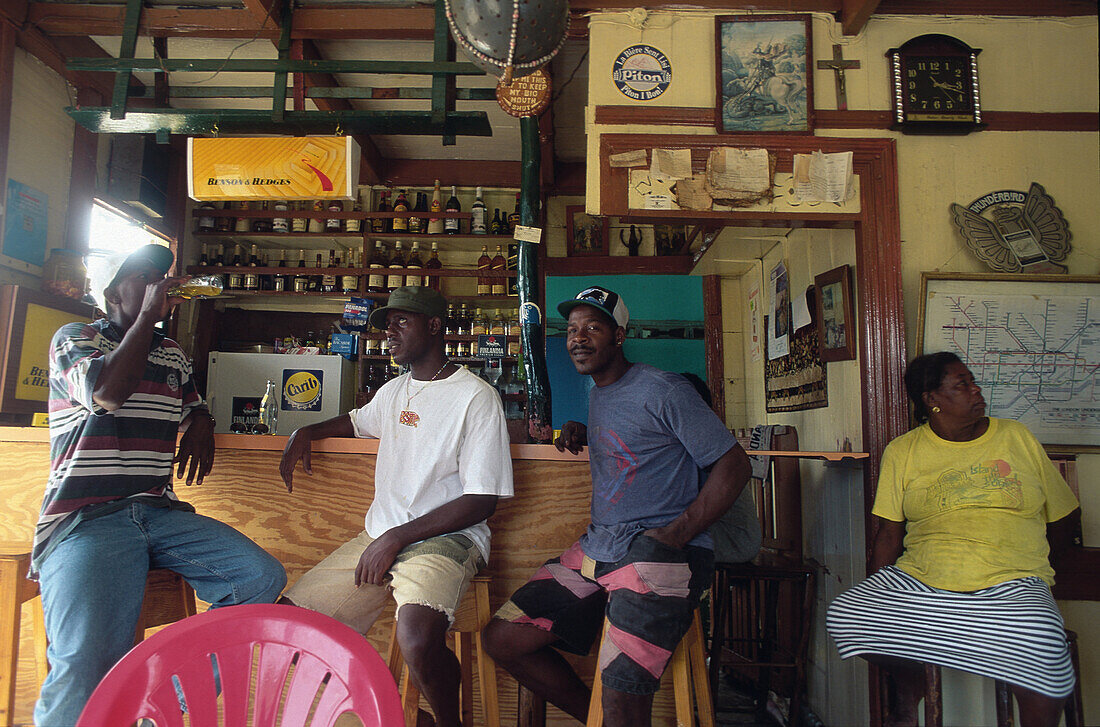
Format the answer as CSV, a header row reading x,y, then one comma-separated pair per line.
x,y
486,669
12,571
595,704
1075,706
464,650
704,703
933,697
681,685
1003,700
410,699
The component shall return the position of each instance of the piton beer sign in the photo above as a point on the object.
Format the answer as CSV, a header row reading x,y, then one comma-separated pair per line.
x,y
641,72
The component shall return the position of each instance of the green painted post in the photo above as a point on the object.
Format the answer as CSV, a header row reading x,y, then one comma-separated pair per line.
x,y
532,318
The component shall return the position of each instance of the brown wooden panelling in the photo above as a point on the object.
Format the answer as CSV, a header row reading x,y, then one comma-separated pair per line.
x,y
832,119
549,511
712,341
619,264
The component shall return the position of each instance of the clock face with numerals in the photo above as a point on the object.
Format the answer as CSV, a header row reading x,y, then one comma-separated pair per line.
x,y
937,88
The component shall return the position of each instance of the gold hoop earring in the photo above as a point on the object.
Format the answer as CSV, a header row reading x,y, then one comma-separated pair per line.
x,y
935,410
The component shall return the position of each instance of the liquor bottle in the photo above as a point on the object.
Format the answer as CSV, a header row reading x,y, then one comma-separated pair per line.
x,y
280,224
332,224
242,224
401,204
513,217
206,221
251,279
262,225
417,222
480,324
317,277
298,223
496,323
281,282
301,280
463,321
452,225
435,224
376,281
382,224
513,331
269,410
484,283
328,279
236,279
349,282
462,349
354,224
371,347
498,285
450,321
219,261
496,227
224,223
396,280
431,279
450,349
512,263
203,260
416,263
478,214
316,224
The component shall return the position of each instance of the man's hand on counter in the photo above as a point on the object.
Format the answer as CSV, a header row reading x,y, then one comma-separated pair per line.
x,y
299,446
196,450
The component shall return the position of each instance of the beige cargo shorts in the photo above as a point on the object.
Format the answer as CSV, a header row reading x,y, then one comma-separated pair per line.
x,y
434,573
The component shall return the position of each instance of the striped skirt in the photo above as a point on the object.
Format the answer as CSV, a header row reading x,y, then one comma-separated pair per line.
x,y
1012,631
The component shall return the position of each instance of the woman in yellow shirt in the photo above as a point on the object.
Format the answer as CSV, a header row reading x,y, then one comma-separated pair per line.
x,y
960,575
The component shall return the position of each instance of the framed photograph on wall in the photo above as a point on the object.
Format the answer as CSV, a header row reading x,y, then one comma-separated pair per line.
x,y
836,315
669,239
764,74
585,234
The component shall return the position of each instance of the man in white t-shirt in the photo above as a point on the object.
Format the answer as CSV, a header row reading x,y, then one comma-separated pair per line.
x,y
443,461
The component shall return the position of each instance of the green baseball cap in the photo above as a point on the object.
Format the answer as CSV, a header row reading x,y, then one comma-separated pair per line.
x,y
413,298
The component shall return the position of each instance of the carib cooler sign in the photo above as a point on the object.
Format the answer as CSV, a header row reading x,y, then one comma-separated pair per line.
x,y
302,389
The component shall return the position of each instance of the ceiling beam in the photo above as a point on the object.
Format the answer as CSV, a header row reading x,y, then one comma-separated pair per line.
x,y
264,12
1024,8
55,51
854,15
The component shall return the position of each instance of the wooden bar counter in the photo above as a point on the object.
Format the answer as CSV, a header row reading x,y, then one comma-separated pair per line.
x,y
548,512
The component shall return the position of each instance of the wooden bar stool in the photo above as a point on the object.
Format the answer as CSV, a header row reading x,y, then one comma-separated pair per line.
x,y
689,671
933,695
471,617
168,598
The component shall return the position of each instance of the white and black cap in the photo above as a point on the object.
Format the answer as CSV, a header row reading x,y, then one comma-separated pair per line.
x,y
600,298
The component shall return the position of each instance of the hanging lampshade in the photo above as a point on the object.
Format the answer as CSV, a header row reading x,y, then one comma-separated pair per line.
x,y
508,37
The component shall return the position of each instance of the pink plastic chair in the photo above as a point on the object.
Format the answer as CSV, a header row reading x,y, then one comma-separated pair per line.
x,y
325,668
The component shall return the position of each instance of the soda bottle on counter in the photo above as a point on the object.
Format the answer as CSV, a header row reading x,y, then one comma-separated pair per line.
x,y
269,410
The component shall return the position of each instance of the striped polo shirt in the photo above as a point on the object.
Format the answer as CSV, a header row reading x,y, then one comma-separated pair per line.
x,y
99,458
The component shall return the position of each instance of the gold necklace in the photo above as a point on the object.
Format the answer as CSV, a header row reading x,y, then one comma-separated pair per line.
x,y
408,417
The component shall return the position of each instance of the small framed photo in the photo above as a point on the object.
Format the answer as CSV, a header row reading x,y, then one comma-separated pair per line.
x,y
670,239
836,315
764,74
585,234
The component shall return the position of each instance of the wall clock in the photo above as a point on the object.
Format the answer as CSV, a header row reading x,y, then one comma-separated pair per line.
x,y
935,86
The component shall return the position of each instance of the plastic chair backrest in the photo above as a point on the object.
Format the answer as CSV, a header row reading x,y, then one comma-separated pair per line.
x,y
261,651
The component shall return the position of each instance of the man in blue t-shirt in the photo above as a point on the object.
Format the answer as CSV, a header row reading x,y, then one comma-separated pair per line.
x,y
646,556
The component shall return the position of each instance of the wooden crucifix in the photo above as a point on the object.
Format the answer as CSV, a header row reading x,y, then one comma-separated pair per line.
x,y
837,64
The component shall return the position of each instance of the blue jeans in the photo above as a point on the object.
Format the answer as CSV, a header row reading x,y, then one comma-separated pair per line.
x,y
93,583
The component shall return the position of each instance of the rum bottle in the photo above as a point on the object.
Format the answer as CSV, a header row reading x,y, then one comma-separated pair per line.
x,y
301,280
354,224
376,279
415,263
401,204
328,278
484,263
478,213
452,225
496,227
397,262
498,285
417,222
382,224
513,217
431,279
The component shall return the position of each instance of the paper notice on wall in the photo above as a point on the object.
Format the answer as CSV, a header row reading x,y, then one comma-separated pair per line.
x,y
670,163
636,158
800,310
642,187
779,308
739,170
755,351
692,194
821,177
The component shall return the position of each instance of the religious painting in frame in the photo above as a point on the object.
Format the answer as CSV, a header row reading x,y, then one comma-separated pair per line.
x,y
836,315
1032,343
764,71
585,234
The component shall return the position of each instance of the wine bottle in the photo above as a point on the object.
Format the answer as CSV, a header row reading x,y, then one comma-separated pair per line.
x,y
434,263
496,227
435,224
498,285
513,217
396,280
478,213
417,222
382,224
484,283
452,225
401,204
415,263
301,280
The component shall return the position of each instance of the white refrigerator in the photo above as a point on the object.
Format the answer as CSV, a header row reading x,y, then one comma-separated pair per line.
x,y
311,388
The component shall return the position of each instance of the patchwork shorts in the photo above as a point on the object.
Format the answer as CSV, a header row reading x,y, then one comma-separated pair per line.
x,y
434,573
648,599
